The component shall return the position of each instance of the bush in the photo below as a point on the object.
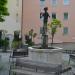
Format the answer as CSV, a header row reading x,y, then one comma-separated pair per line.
x,y
29,40
5,44
30,37
16,44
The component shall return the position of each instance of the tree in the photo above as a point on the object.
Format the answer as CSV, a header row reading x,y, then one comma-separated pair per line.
x,y
3,10
53,27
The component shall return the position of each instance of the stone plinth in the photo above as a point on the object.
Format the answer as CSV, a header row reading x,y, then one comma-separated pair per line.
x,y
53,56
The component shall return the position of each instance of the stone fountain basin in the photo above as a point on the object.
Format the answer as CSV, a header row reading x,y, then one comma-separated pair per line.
x,y
53,56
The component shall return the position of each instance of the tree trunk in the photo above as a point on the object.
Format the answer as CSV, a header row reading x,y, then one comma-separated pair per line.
x,y
52,40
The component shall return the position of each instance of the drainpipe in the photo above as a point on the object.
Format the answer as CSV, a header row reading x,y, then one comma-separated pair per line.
x,y
22,22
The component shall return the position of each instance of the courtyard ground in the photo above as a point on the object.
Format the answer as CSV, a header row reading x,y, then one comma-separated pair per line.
x,y
5,64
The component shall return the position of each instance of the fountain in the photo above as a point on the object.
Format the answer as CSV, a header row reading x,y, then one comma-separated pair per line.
x,y
44,53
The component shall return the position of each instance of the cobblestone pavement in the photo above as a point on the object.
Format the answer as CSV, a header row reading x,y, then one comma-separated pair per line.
x,y
66,46
4,63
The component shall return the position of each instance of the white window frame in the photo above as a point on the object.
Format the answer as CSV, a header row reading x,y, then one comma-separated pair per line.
x,y
54,14
53,3
65,32
67,16
66,2
42,3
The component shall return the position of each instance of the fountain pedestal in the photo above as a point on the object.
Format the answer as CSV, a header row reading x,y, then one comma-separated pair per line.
x,y
52,56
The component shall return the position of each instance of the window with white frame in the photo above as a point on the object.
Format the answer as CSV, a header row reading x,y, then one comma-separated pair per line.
x,y
53,2
66,16
66,2
65,30
42,3
53,15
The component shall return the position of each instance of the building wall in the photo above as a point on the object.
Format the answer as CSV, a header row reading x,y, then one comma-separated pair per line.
x,y
31,19
13,21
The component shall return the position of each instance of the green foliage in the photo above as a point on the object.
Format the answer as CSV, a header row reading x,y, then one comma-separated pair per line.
x,y
32,34
16,44
55,23
3,10
30,37
53,27
30,42
1,42
4,43
16,35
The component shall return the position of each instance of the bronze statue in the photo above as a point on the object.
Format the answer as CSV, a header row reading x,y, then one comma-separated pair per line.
x,y
45,16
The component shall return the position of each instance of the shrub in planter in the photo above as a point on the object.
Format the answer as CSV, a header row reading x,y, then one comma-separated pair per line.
x,y
1,43
28,40
16,44
30,37
5,44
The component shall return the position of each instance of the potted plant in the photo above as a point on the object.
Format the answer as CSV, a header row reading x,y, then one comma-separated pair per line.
x,y
5,44
16,44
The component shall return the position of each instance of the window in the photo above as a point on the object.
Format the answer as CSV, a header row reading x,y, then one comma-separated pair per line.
x,y
65,30
42,0
65,16
54,2
66,2
53,15
42,3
